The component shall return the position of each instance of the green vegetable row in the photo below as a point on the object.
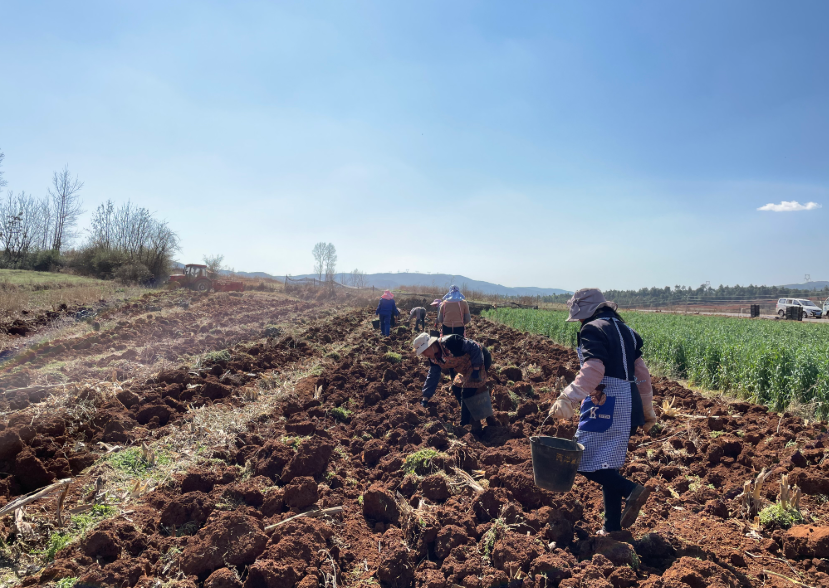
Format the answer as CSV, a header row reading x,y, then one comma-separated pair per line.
x,y
769,362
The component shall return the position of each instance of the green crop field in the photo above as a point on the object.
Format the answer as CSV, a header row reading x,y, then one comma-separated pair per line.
x,y
770,362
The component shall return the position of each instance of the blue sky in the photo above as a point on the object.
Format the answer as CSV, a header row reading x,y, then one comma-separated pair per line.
x,y
570,144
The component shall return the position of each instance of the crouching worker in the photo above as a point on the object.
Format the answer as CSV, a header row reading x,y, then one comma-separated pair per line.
x,y
419,315
613,395
463,359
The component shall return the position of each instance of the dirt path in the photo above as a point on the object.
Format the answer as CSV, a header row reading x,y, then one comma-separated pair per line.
x,y
328,416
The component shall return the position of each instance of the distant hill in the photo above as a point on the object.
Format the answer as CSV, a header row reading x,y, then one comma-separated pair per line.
x,y
808,286
392,281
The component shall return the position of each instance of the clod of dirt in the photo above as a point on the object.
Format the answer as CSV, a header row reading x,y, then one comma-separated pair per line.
x,y
172,377
524,489
265,573
215,391
396,565
229,539
557,527
30,472
806,541
192,506
448,538
552,565
101,545
223,578
379,505
488,504
311,459
512,373
655,550
373,451
198,481
430,579
301,493
669,472
272,459
623,577
696,573
717,507
10,444
618,552
435,488
159,411
128,398
513,552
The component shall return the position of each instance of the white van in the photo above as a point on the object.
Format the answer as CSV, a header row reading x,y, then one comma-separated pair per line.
x,y
810,309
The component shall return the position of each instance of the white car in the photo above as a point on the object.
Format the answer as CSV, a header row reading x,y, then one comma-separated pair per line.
x,y
810,309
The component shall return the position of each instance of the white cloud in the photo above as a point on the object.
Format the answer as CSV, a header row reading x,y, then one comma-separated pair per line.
x,y
792,206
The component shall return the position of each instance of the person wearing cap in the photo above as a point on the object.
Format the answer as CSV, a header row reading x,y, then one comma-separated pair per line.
x,y
385,310
453,313
419,315
465,360
613,396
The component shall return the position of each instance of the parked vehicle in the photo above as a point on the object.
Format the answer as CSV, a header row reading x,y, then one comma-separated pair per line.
x,y
826,308
196,278
810,309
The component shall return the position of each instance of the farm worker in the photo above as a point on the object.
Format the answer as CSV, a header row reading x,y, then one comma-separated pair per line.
x,y
436,302
385,310
419,315
614,390
453,313
465,360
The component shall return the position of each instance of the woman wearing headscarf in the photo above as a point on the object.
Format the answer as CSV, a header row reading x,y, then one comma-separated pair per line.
x,y
613,395
465,361
453,313
385,310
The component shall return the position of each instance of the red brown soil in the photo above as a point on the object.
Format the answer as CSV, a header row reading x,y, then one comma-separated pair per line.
x,y
211,522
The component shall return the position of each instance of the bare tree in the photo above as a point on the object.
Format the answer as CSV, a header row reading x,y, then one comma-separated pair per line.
x,y
358,278
103,226
330,261
214,263
2,180
66,206
21,226
319,259
133,236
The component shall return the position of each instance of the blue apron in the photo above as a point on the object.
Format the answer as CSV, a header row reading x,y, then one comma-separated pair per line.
x,y
604,430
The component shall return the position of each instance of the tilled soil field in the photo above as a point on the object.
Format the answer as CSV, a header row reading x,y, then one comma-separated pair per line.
x,y
323,417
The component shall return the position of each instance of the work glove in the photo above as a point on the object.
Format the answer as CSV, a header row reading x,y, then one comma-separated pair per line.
x,y
424,402
476,376
563,408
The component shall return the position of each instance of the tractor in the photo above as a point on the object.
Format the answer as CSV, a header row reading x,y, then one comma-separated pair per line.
x,y
197,278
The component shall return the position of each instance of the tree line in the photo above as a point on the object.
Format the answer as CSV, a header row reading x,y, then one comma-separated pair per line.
x,y
705,294
41,233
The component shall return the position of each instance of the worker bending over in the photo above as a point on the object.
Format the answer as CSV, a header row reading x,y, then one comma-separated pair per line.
x,y
465,361
419,315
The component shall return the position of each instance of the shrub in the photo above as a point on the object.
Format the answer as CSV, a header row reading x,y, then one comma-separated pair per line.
x,y
393,357
341,414
420,462
133,273
780,516
217,356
